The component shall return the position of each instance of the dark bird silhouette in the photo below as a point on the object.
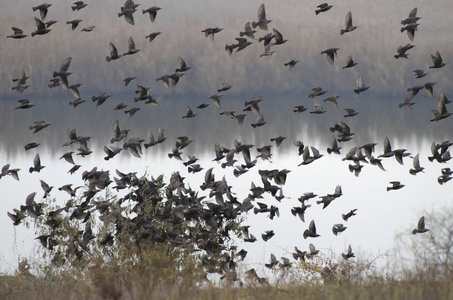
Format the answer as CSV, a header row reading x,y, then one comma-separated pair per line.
x,y
402,51
349,214
43,8
291,64
113,53
74,23
331,53
63,74
420,226
37,167
152,36
211,31
348,254
360,86
262,19
131,47
127,11
152,12
437,61
88,29
441,112
396,185
348,24
338,228
311,231
40,28
349,62
78,5
419,73
18,33
323,7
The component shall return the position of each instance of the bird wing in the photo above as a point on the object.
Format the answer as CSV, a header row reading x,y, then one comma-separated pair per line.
x,y
131,44
413,13
113,50
421,223
387,146
348,20
40,24
261,13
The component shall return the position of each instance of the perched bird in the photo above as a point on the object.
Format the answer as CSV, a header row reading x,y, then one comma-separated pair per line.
x,y
42,10
437,61
113,53
262,20
331,53
152,12
348,254
420,226
349,62
396,185
323,7
348,24
311,231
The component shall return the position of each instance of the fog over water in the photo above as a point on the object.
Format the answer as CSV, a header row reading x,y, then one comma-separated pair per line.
x,y
380,214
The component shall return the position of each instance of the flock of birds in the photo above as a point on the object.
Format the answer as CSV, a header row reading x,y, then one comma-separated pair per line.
x,y
220,195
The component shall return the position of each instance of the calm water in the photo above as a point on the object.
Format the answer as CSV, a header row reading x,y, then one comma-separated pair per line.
x,y
380,214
